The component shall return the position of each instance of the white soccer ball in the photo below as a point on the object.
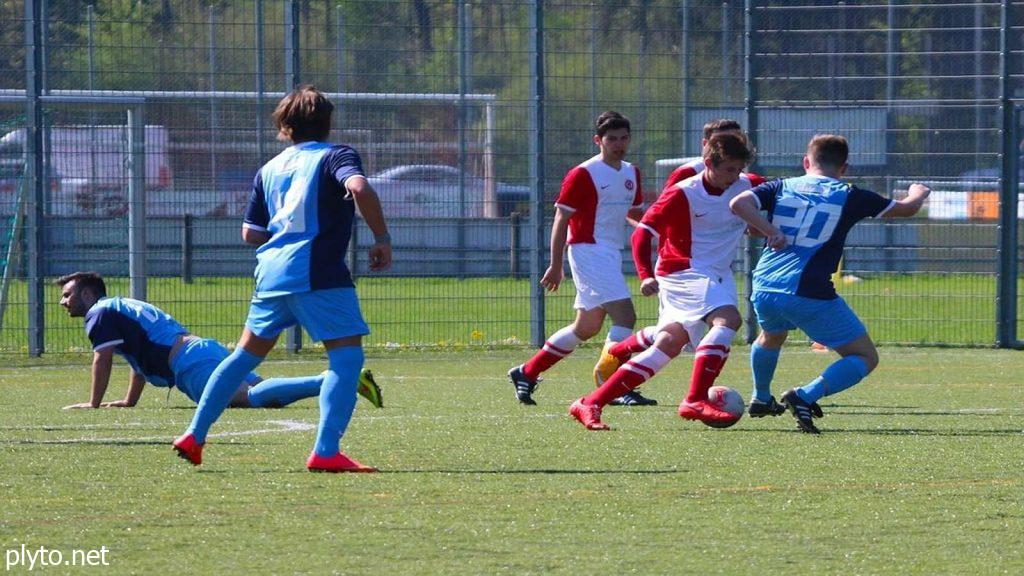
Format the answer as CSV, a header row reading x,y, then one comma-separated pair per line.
x,y
727,400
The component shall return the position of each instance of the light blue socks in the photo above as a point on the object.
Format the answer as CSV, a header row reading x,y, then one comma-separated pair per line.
x,y
279,392
839,376
338,397
762,364
228,376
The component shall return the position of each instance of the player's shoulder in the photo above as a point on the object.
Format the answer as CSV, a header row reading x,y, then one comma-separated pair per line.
x,y
589,163
105,307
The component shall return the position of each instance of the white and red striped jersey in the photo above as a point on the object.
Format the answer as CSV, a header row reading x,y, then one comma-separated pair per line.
x,y
694,226
599,197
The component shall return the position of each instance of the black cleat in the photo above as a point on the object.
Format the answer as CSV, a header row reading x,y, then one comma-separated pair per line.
x,y
801,411
633,398
816,410
758,409
523,384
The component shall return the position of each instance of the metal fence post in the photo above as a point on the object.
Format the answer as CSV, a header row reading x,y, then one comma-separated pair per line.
x,y
1006,300
261,145
292,62
750,111
35,185
536,150
463,82
514,244
292,67
136,203
186,249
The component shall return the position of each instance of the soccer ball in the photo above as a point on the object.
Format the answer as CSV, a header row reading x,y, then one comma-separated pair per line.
x,y
727,399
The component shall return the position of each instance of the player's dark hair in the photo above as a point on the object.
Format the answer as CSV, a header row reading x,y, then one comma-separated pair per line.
x,y
721,125
85,281
728,146
829,151
610,120
303,115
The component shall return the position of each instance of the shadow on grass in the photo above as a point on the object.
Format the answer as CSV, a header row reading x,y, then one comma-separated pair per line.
x,y
927,432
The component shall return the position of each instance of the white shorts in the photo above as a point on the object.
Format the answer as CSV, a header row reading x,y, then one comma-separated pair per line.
x,y
687,297
597,273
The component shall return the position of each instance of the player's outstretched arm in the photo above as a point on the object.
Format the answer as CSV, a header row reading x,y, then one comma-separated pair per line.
x,y
559,232
102,361
745,206
916,195
136,382
369,207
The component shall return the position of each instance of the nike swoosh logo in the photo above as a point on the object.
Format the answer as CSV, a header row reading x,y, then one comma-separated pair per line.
x,y
603,187
700,215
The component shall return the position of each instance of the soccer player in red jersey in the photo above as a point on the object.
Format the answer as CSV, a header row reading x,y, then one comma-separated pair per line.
x,y
644,338
597,199
697,237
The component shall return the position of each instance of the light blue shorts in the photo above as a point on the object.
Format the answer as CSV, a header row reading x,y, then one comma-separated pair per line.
x,y
194,363
325,314
828,322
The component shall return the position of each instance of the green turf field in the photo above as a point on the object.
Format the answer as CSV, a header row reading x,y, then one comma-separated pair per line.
x,y
918,471
944,309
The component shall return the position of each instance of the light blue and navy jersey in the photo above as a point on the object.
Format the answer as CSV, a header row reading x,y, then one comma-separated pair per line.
x,y
140,332
815,213
299,198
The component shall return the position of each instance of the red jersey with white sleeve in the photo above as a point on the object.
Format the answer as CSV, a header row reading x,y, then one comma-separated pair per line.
x,y
695,228
599,197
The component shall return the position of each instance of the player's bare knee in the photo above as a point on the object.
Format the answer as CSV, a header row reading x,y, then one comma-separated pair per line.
x,y
771,339
585,330
671,341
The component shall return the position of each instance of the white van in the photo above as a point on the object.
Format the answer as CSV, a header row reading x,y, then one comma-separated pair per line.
x,y
88,166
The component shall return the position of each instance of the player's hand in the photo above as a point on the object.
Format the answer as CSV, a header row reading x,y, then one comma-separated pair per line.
x,y
552,278
649,287
380,257
78,406
918,190
116,404
777,240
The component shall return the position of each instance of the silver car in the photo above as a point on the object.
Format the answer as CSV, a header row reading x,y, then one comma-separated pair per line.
x,y
432,191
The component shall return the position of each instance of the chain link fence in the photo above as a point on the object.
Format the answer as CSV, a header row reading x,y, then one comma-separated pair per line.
x,y
130,133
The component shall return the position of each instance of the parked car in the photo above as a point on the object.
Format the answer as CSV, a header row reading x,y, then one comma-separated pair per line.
x,y
432,191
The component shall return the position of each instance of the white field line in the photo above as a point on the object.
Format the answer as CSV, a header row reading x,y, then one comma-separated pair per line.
x,y
279,426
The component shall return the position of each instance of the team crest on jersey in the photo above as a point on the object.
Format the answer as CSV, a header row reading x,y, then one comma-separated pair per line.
x,y
629,184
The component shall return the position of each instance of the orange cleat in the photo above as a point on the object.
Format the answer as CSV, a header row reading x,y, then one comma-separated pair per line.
x,y
705,412
188,449
588,414
337,463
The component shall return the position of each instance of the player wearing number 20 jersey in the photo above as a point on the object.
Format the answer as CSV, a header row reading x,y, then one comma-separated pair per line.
x,y
815,213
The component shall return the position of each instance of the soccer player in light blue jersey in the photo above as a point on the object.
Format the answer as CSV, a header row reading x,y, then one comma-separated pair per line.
x,y
808,218
162,352
301,214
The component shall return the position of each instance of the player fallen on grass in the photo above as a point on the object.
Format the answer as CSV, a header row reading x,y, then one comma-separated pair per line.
x,y
597,199
808,218
162,352
301,214
697,237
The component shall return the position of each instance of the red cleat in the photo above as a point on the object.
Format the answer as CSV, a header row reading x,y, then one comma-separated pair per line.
x,y
703,410
188,449
588,414
337,463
